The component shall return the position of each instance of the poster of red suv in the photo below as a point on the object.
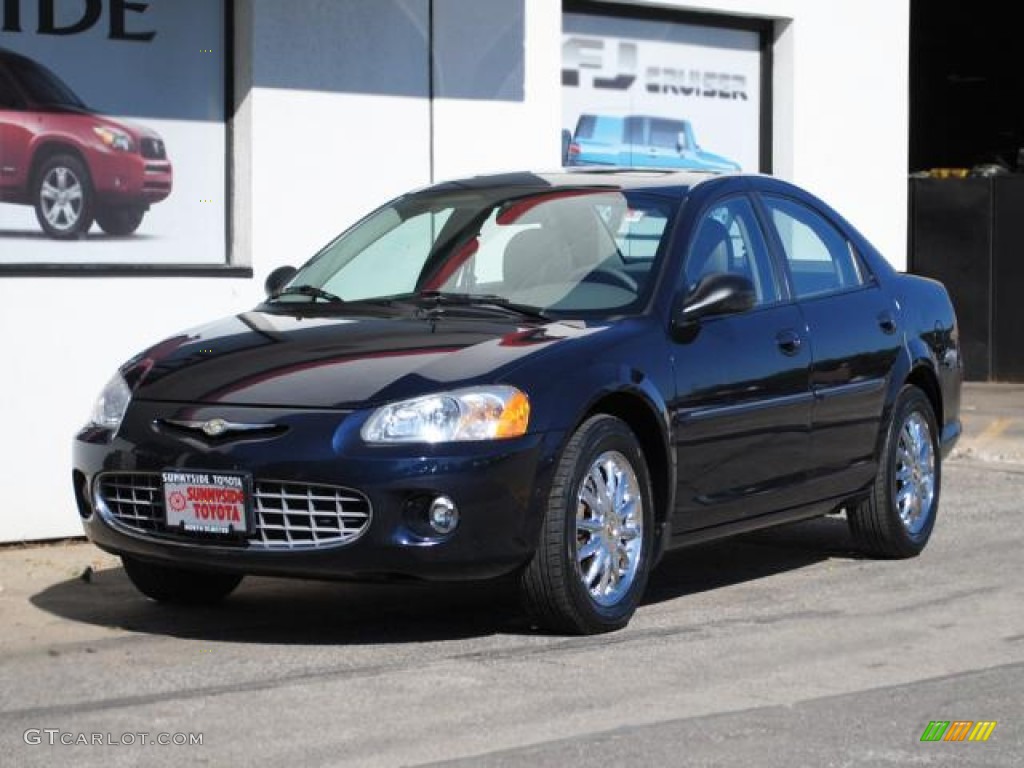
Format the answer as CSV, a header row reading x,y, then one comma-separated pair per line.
x,y
71,163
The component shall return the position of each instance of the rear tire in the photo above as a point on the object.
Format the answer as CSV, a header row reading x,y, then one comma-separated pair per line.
x,y
591,565
120,221
166,584
897,518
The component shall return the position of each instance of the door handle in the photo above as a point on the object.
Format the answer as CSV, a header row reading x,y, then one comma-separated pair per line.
x,y
887,322
789,342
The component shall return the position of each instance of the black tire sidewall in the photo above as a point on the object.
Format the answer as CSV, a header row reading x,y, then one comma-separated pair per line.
x,y
119,221
81,172
169,584
600,435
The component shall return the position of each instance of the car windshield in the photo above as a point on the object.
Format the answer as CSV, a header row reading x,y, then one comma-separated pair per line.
x,y
557,250
42,86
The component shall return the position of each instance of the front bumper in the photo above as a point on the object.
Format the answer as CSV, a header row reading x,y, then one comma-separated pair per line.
x,y
499,488
949,437
128,178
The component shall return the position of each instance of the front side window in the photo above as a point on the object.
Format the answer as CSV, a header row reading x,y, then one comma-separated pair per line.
x,y
8,96
821,260
559,250
668,134
729,240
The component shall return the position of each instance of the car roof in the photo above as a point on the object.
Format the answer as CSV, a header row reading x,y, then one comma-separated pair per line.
x,y
7,53
634,116
666,181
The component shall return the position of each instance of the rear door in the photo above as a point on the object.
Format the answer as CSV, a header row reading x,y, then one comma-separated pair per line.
x,y
854,340
741,416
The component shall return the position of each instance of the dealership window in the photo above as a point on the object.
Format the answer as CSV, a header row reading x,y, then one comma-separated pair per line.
x,y
133,174
648,87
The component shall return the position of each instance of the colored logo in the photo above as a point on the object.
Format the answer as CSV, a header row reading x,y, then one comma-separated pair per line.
x,y
958,730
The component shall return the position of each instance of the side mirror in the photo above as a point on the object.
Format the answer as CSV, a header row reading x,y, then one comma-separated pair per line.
x,y
278,279
719,293
681,142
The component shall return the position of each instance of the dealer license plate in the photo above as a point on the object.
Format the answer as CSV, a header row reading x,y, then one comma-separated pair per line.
x,y
206,502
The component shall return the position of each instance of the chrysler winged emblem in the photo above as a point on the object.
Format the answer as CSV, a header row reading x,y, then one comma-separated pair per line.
x,y
216,427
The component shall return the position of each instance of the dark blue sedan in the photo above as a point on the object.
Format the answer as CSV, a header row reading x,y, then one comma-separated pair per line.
x,y
555,376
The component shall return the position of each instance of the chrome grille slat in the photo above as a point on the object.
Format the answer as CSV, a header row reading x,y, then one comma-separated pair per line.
x,y
287,515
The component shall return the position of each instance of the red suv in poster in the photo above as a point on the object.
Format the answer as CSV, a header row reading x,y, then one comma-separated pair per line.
x,y
72,164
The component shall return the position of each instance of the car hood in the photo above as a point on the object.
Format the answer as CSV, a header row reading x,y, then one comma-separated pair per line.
x,y
136,131
710,159
284,360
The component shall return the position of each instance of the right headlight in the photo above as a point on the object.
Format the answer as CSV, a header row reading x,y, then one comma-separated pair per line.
x,y
110,406
474,413
114,138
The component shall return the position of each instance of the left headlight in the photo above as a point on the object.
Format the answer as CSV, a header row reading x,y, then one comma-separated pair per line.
x,y
475,413
114,138
111,404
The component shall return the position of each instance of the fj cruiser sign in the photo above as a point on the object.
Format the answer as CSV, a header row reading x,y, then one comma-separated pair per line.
x,y
614,66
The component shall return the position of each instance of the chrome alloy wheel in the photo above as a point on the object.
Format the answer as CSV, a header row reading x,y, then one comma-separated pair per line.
x,y
915,473
61,198
609,528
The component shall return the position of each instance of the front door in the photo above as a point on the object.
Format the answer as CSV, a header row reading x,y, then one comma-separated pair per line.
x,y
741,416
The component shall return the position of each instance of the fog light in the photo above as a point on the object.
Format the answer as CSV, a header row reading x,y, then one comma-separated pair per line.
x,y
443,515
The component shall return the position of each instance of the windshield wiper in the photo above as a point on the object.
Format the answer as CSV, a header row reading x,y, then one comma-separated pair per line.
x,y
489,301
308,290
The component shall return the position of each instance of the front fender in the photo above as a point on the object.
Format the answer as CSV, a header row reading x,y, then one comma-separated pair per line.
x,y
638,399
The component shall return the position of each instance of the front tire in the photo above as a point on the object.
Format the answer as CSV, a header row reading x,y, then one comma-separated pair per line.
x,y
166,584
897,518
63,197
120,221
591,565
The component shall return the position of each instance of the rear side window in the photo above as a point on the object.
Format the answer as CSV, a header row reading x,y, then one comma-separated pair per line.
x,y
585,127
821,259
601,128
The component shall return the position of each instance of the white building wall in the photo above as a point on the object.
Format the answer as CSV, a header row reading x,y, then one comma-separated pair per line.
x,y
841,109
309,161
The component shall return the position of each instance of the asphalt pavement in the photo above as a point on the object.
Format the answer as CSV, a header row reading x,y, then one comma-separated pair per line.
x,y
780,648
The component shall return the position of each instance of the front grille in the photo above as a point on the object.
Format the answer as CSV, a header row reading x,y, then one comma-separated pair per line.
x,y
154,149
295,514
135,500
286,515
